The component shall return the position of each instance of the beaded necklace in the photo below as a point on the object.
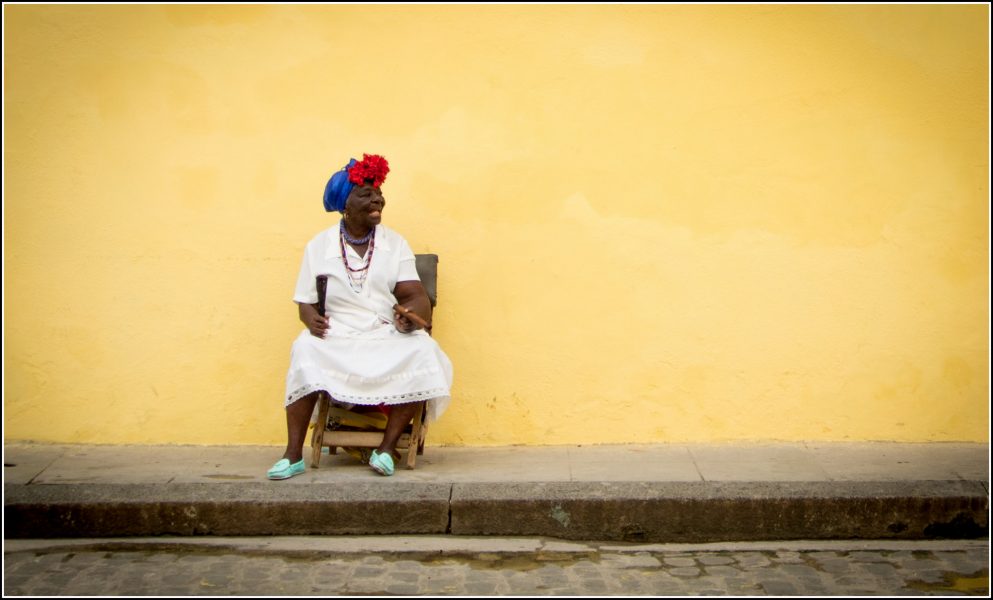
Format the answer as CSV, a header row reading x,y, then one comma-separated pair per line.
x,y
350,239
357,277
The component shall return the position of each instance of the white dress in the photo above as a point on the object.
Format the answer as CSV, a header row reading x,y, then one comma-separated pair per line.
x,y
363,359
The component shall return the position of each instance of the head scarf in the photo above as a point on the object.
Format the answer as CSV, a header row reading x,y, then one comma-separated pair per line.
x,y
338,189
372,169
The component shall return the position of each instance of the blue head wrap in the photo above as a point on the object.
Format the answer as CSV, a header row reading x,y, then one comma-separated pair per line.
x,y
338,189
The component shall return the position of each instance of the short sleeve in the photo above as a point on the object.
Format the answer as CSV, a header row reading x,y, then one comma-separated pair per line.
x,y
408,263
306,290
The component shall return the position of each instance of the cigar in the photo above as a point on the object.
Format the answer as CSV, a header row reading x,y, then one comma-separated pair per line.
x,y
412,316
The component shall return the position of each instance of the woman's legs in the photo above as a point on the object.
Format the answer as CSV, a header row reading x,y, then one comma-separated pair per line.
x,y
297,420
400,415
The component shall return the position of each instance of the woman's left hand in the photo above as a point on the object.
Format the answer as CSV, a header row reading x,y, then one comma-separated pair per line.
x,y
402,323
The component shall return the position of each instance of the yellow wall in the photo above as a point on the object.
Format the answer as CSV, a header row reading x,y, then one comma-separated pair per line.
x,y
656,223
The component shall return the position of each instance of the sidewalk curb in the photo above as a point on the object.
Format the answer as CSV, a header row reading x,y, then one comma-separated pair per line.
x,y
109,510
724,511
452,545
660,512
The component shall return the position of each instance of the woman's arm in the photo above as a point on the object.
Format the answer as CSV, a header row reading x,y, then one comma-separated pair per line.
x,y
412,296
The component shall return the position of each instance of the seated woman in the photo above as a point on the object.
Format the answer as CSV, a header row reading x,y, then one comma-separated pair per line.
x,y
364,352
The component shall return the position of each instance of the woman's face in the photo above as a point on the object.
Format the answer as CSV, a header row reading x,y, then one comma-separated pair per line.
x,y
364,207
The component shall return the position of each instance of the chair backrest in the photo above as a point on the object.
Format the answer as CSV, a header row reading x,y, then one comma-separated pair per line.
x,y
427,270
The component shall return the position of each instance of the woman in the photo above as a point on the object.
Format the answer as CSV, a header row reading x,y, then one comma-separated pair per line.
x,y
364,352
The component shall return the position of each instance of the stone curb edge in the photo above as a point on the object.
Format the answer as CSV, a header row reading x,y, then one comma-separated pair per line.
x,y
639,512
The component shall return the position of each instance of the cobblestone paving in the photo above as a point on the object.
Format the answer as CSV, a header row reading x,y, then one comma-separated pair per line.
x,y
953,568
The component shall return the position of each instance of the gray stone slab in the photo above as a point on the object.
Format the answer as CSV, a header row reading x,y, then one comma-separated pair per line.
x,y
202,464
798,545
955,553
23,463
156,464
513,463
628,492
756,462
721,511
660,462
109,510
899,462
319,544
453,465
225,464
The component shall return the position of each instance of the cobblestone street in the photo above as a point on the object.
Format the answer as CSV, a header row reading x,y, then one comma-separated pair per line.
x,y
484,567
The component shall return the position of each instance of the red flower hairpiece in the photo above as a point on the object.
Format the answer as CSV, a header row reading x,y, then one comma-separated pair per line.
x,y
372,167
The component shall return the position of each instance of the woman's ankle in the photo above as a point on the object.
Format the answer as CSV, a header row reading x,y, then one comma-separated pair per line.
x,y
391,451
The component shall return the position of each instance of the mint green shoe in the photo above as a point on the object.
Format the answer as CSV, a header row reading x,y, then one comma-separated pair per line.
x,y
284,470
381,463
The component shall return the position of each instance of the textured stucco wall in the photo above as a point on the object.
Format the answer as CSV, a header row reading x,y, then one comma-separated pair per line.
x,y
655,223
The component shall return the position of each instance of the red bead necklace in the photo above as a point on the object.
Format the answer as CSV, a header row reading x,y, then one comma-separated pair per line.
x,y
357,277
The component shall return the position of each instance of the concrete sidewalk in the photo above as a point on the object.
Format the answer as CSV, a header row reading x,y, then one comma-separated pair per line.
x,y
636,493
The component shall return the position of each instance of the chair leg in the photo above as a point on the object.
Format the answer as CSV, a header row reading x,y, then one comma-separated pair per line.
x,y
424,437
414,447
317,440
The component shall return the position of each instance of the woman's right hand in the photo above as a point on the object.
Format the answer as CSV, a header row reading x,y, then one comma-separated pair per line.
x,y
318,325
314,322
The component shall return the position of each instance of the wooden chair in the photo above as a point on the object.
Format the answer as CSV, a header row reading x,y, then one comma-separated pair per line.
x,y
364,430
